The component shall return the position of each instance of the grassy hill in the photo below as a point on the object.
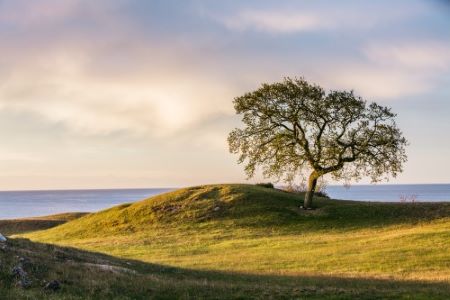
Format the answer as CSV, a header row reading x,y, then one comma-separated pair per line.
x,y
229,241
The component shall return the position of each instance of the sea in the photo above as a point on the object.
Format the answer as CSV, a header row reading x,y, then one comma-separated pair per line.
x,y
392,192
21,204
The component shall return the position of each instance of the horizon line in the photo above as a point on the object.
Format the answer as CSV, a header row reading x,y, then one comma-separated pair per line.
x,y
181,187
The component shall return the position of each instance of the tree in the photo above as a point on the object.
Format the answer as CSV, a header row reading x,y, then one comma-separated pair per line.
x,y
294,126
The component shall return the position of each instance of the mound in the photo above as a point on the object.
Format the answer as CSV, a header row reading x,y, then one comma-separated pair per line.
x,y
240,204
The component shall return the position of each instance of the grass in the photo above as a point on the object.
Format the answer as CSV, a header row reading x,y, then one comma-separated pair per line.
x,y
239,241
87,275
37,223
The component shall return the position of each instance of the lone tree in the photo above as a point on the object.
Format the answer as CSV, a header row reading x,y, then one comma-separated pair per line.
x,y
293,127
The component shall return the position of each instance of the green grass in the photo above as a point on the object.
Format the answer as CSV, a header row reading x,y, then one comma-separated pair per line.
x,y
230,241
83,276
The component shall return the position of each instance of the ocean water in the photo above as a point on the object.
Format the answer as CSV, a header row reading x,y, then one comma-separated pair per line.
x,y
392,192
20,204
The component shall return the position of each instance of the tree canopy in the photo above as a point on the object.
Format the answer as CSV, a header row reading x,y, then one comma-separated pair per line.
x,y
293,127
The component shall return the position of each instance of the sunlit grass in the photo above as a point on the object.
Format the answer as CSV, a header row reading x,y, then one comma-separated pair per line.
x,y
261,231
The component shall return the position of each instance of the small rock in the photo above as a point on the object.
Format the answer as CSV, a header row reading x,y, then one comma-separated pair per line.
x,y
2,238
19,272
23,283
53,285
308,208
217,208
22,277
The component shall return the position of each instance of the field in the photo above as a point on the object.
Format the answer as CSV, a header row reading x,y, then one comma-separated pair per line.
x,y
240,241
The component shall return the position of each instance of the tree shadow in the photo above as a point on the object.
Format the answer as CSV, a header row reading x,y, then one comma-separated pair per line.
x,y
283,213
90,275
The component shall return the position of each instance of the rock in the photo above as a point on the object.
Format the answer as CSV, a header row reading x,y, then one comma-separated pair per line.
x,y
2,238
23,283
217,208
22,277
308,208
53,285
19,272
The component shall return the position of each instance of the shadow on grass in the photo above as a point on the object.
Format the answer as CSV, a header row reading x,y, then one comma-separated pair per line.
x,y
18,226
89,275
9,227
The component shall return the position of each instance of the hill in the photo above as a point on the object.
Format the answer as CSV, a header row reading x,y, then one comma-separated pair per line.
x,y
258,234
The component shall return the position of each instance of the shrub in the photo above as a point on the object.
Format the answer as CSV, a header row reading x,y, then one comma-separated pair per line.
x,y
322,194
301,189
268,185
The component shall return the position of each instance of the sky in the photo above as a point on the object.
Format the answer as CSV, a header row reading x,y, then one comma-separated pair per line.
x,y
138,93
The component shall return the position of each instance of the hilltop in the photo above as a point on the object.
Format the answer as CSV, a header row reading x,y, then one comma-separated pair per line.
x,y
230,240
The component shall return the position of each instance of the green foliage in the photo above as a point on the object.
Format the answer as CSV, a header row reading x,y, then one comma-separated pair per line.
x,y
268,185
294,126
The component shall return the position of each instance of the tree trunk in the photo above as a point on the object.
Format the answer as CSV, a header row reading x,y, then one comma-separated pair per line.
x,y
312,182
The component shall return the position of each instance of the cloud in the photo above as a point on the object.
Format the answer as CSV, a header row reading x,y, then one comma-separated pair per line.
x,y
115,77
139,92
25,13
87,103
393,70
275,21
295,16
106,79
418,55
377,83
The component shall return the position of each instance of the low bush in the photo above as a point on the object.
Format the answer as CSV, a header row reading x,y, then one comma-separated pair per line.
x,y
268,185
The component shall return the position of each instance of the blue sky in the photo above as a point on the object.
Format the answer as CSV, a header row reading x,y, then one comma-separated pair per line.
x,y
115,93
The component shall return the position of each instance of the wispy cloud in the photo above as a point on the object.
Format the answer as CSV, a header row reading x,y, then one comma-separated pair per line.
x,y
392,69
301,16
419,55
275,21
24,13
376,83
377,74
35,12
